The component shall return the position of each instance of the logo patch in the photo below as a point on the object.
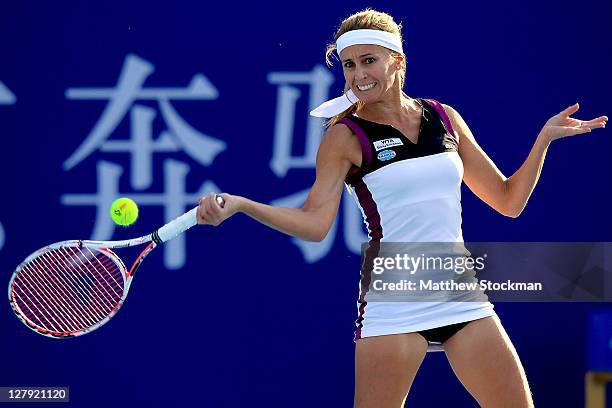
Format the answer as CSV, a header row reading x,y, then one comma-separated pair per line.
x,y
387,143
386,155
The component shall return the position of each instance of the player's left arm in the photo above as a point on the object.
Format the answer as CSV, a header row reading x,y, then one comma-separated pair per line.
x,y
509,196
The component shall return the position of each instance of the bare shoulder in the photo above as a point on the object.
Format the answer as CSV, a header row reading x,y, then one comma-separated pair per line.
x,y
339,141
451,112
457,121
339,133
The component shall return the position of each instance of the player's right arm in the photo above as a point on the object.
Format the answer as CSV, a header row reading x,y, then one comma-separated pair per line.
x,y
339,149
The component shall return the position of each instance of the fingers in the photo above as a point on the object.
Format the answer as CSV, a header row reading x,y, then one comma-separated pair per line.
x,y
220,200
597,123
210,210
214,210
563,117
569,111
202,216
596,120
574,130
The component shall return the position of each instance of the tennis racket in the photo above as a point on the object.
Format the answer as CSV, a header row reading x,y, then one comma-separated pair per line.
x,y
71,288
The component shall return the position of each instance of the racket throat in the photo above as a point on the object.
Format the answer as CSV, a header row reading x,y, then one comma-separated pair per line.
x,y
140,258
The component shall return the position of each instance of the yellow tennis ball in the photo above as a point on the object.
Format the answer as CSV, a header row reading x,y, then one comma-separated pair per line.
x,y
124,211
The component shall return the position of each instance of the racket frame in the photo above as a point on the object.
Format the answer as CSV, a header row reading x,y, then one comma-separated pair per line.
x,y
66,244
159,236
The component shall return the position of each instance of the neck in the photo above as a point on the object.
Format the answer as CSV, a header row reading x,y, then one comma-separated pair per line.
x,y
391,108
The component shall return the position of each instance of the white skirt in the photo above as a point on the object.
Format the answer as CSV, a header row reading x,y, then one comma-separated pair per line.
x,y
385,318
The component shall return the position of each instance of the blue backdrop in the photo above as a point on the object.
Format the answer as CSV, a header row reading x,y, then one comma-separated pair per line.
x,y
164,103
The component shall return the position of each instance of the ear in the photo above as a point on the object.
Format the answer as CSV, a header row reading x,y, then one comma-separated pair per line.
x,y
399,60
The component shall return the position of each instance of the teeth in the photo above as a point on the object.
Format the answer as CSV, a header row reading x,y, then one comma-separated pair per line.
x,y
366,87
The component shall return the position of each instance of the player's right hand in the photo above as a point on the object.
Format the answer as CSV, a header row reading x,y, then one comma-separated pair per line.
x,y
214,208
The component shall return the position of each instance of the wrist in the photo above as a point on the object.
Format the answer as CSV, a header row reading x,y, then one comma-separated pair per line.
x,y
544,139
241,204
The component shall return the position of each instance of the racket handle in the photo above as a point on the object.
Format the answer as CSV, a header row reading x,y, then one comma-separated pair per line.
x,y
178,225
182,223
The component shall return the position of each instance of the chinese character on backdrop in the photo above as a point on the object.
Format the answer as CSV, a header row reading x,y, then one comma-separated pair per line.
x,y
6,98
290,88
1,236
140,146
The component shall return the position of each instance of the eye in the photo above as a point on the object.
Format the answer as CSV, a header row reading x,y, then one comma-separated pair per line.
x,y
370,60
348,64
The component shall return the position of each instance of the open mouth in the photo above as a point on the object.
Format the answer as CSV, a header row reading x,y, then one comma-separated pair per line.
x,y
366,87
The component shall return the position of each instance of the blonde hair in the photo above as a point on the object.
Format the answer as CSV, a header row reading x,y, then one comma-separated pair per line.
x,y
365,19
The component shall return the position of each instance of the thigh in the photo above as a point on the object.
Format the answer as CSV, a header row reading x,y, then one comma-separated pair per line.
x,y
485,361
385,367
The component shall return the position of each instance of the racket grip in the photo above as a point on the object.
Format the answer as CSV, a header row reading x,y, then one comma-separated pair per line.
x,y
178,225
182,223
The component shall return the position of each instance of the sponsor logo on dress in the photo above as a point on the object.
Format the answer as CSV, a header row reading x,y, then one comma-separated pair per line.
x,y
387,143
386,155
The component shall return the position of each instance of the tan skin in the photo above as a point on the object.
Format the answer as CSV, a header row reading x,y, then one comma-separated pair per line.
x,y
481,354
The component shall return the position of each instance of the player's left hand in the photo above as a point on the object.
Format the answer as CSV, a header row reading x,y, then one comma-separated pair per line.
x,y
563,125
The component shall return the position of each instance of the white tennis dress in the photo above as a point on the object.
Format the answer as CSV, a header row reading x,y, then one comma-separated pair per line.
x,y
409,192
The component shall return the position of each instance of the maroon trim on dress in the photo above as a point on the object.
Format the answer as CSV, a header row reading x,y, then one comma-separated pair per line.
x,y
376,233
370,210
359,321
366,149
442,112
370,253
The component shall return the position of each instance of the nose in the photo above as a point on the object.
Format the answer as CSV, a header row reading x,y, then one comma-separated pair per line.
x,y
360,73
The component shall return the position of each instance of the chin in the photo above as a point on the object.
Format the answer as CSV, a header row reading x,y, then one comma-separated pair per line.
x,y
369,99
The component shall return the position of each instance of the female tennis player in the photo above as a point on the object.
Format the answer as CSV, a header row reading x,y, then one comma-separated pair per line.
x,y
404,158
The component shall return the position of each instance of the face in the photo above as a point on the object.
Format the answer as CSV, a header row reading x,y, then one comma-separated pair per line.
x,y
370,71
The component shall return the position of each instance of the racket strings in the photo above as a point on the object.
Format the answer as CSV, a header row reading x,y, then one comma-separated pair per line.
x,y
66,293
99,299
72,301
68,289
72,293
59,317
39,292
52,297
